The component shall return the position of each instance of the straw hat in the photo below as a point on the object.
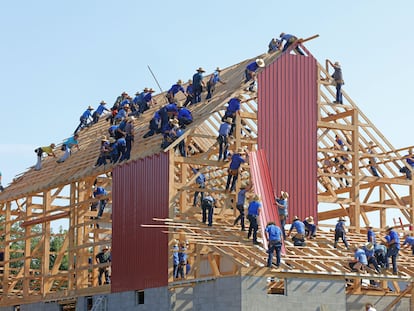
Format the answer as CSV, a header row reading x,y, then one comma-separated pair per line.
x,y
240,150
341,219
260,62
369,246
228,120
200,69
174,121
179,82
309,220
131,119
90,108
218,69
388,228
369,225
295,218
256,197
284,194
151,90
104,138
337,64
103,102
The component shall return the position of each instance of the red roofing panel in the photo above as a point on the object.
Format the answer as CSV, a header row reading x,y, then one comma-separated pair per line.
x,y
287,129
262,182
139,193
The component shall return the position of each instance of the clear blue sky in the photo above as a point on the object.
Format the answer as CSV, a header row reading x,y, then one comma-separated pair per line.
x,y
58,57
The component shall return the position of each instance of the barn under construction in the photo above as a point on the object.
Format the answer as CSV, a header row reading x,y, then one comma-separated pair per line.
x,y
288,124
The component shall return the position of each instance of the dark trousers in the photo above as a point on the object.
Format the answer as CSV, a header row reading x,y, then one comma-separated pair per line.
x,y
240,208
103,271
197,93
274,245
102,204
338,93
393,253
223,147
207,214
210,89
253,227
282,225
232,179
340,234
129,139
202,186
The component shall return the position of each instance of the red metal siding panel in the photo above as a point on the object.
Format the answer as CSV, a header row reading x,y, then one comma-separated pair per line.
x,y
287,129
139,193
262,182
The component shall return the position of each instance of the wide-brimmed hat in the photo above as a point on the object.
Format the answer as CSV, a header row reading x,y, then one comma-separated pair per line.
x,y
104,138
337,64
126,106
256,197
190,81
179,82
124,93
103,102
309,219
281,34
369,225
137,93
295,218
174,121
284,194
151,90
240,150
369,246
90,108
260,62
131,119
146,89
200,69
387,228
228,120
218,69
341,219
52,145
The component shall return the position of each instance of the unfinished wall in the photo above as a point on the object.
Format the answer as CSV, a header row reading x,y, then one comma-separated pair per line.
x,y
357,302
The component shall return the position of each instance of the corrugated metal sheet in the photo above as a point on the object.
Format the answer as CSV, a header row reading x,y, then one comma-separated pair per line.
x,y
287,129
262,182
139,193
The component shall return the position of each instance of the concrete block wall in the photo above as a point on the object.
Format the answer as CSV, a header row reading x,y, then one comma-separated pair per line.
x,y
357,302
41,306
300,294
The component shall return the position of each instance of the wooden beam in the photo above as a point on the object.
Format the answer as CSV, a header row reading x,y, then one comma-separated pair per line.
x,y
44,219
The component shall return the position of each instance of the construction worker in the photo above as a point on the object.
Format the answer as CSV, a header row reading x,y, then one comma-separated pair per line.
x,y
198,85
251,71
233,107
253,213
274,237
99,111
100,192
340,232
212,81
409,158
409,241
84,119
371,238
39,151
338,81
201,182
282,207
310,227
103,257
175,88
393,245
369,307
207,206
290,39
359,262
241,198
182,259
67,147
176,260
184,116
372,159
223,138
371,259
129,137
236,161
299,237
274,45
190,93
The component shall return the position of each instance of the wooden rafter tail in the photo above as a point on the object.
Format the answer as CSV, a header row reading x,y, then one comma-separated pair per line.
x,y
308,39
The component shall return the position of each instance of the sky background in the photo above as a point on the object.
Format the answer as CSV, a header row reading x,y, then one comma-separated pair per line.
x,y
58,57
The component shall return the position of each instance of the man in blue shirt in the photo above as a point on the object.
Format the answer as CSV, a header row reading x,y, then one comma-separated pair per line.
x,y
99,111
100,192
251,71
201,182
339,81
176,260
409,158
241,198
253,213
380,252
371,235
184,116
310,227
84,119
211,83
182,257
174,89
67,147
198,85
282,207
370,253
223,138
190,93
409,241
236,162
274,45
233,106
359,263
274,236
207,206
299,238
393,248
340,232
290,39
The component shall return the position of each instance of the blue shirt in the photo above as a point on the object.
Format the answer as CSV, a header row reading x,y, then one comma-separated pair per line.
x,y
197,78
176,260
224,129
394,238
371,236
70,142
215,77
283,210
299,226
147,97
252,66
86,115
368,253
236,161
121,114
121,142
101,108
182,256
100,191
241,197
175,89
379,248
340,225
286,37
253,208
274,232
184,113
124,102
409,240
139,98
171,108
233,105
189,89
360,256
410,160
